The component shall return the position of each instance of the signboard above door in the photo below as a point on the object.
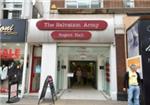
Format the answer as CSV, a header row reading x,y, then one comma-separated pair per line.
x,y
72,28
71,25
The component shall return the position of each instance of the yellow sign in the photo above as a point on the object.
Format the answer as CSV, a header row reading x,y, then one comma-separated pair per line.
x,y
134,60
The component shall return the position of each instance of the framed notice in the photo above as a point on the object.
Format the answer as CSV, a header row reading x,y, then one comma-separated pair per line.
x,y
137,61
13,90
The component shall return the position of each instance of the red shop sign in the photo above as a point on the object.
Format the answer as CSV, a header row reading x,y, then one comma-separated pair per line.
x,y
69,35
71,25
10,53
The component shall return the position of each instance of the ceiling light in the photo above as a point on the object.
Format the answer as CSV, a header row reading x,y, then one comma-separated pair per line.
x,y
4,44
17,44
83,56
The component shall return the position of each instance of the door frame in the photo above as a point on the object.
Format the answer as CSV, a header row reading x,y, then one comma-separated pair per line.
x,y
31,79
32,66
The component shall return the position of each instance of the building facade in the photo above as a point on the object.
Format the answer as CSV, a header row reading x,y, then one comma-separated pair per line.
x,y
95,35
12,53
16,9
67,42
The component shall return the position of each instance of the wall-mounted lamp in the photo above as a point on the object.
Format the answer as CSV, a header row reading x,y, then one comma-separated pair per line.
x,y
53,7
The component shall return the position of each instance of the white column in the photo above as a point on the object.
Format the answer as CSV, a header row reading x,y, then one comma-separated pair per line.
x,y
1,9
66,72
30,50
48,66
26,9
24,69
46,8
99,76
113,73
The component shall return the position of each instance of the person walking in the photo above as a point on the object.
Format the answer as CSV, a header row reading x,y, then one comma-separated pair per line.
x,y
132,82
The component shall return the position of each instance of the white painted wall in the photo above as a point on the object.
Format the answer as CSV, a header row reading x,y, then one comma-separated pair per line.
x,y
46,8
27,6
1,9
49,63
38,51
29,67
119,24
113,73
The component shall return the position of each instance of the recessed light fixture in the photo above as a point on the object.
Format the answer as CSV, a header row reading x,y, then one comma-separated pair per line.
x,y
4,44
17,44
83,56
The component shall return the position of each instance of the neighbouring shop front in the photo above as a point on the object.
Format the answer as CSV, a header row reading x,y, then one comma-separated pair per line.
x,y
62,43
139,45
12,51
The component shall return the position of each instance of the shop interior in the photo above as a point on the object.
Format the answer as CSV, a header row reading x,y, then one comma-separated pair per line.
x,y
83,67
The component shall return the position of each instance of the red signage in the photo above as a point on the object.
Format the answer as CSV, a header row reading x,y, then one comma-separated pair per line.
x,y
69,35
10,54
72,25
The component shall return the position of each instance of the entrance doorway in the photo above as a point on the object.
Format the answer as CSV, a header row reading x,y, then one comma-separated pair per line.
x,y
84,74
82,68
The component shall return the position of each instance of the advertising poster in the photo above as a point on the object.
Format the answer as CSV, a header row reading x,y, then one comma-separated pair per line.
x,y
133,41
137,61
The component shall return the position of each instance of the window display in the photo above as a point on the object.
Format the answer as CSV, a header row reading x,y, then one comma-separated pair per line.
x,y
11,58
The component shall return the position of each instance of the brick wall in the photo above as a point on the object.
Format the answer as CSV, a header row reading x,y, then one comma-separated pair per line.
x,y
108,3
121,64
113,3
142,3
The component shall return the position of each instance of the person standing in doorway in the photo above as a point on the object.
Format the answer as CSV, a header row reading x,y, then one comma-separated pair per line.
x,y
79,75
132,81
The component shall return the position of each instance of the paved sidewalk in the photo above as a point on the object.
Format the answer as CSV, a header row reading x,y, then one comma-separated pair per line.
x,y
83,94
34,101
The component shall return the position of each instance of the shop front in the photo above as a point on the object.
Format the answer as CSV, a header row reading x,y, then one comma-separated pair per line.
x,y
12,53
64,43
139,44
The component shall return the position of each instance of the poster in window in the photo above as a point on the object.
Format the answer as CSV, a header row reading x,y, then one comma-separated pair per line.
x,y
137,61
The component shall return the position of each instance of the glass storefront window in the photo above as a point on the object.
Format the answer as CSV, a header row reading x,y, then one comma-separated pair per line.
x,y
11,63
